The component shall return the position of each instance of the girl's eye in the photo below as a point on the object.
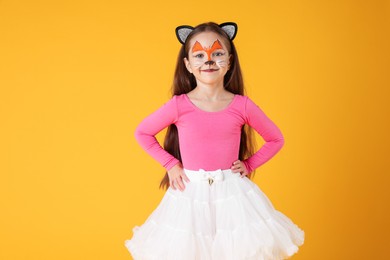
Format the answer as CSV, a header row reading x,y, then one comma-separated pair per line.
x,y
200,55
218,54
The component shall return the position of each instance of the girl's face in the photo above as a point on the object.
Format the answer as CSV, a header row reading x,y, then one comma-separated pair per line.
x,y
208,58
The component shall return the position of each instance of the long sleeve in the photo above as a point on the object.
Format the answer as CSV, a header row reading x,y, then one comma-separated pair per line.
x,y
151,125
271,134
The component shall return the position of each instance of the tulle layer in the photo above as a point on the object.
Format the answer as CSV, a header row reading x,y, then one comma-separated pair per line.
x,y
227,220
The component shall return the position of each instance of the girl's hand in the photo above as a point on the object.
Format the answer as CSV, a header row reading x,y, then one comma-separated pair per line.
x,y
239,166
176,174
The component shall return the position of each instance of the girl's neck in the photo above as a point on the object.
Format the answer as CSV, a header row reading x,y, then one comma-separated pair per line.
x,y
207,92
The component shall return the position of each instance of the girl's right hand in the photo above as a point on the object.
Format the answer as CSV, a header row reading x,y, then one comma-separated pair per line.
x,y
176,174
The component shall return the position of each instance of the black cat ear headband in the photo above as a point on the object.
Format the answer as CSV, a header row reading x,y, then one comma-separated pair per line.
x,y
183,31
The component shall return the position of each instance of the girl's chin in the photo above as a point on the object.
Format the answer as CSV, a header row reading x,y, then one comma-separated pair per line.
x,y
210,81
210,76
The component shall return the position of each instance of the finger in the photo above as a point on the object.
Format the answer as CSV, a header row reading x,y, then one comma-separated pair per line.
x,y
173,185
185,177
244,173
237,168
236,162
180,184
177,184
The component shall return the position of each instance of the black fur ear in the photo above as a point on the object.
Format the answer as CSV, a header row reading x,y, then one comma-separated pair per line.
x,y
182,32
230,28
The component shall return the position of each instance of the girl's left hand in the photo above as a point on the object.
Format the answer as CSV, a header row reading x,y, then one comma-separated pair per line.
x,y
239,166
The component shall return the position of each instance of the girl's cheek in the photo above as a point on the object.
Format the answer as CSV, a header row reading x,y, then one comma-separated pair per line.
x,y
198,64
222,63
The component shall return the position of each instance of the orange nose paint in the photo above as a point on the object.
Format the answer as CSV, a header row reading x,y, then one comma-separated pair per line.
x,y
198,47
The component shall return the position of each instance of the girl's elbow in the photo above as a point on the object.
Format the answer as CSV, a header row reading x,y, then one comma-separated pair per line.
x,y
138,133
280,142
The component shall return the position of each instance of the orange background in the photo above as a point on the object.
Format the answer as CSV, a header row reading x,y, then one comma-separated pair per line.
x,y
76,77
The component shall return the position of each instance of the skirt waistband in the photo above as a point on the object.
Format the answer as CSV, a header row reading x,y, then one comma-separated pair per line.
x,y
210,176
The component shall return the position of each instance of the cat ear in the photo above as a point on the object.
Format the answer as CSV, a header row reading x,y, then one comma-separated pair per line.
x,y
230,28
182,32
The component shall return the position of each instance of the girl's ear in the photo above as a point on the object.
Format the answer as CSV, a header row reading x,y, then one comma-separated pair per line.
x,y
187,64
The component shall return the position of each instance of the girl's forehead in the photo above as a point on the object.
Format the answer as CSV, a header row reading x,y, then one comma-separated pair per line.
x,y
207,39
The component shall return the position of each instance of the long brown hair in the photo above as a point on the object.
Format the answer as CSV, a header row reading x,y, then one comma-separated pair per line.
x,y
184,82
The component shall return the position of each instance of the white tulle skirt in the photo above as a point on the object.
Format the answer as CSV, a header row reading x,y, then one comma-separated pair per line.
x,y
218,216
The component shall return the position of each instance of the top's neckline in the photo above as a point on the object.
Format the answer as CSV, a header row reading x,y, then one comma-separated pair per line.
x,y
211,112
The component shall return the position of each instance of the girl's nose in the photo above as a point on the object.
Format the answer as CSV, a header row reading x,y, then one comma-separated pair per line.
x,y
209,62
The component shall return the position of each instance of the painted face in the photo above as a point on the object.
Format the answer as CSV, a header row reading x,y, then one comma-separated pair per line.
x,y
214,55
208,57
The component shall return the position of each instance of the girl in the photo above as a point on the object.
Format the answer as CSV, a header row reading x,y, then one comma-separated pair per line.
x,y
211,209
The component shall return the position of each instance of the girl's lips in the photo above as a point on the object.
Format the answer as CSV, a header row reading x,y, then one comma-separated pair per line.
x,y
210,70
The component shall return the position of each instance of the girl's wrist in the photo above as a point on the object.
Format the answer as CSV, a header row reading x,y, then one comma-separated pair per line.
x,y
172,164
177,165
248,170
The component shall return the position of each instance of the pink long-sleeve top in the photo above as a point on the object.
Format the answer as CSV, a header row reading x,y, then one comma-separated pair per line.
x,y
209,140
